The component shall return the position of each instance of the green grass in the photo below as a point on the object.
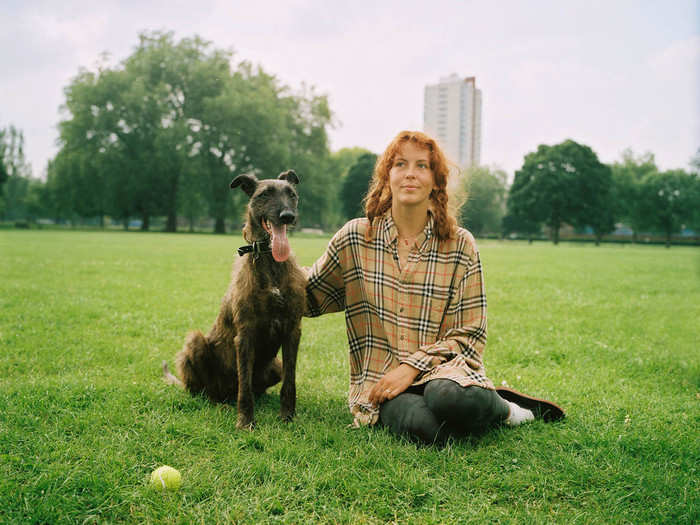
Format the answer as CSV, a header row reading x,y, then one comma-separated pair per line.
x,y
611,333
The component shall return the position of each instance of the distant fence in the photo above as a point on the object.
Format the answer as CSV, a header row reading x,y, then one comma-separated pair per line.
x,y
204,225
644,238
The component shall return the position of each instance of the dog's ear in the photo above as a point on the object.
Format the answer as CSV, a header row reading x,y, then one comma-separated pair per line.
x,y
289,176
248,182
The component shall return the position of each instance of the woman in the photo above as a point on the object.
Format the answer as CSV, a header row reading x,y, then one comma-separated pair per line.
x,y
410,282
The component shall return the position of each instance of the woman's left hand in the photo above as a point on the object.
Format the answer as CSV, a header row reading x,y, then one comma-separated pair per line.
x,y
392,384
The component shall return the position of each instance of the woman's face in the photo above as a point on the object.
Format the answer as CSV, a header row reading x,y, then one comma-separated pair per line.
x,y
410,178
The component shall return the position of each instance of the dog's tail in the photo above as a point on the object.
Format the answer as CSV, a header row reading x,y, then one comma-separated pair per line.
x,y
170,378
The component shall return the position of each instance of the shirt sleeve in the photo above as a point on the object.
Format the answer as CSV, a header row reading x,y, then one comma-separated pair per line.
x,y
325,288
466,314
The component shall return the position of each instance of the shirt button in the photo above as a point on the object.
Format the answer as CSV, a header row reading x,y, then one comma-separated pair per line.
x,y
401,338
401,309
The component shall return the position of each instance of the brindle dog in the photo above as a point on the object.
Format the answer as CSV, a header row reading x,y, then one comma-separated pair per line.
x,y
261,311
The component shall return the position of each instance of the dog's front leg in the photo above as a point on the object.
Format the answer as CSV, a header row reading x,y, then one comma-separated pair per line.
x,y
245,354
288,393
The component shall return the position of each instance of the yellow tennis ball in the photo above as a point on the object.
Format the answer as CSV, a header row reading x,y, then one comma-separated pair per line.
x,y
166,478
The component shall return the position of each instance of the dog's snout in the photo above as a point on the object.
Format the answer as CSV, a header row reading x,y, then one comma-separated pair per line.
x,y
287,216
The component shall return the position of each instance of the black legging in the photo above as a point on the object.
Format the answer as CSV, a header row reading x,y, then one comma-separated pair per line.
x,y
442,408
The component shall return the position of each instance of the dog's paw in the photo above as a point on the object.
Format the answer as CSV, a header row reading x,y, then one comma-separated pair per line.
x,y
245,424
287,417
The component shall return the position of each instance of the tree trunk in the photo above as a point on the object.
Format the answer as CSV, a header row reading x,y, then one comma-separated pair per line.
x,y
598,238
191,224
126,224
555,233
668,239
145,222
220,226
171,225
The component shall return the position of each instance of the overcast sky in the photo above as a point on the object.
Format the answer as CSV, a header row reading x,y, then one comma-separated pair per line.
x,y
609,74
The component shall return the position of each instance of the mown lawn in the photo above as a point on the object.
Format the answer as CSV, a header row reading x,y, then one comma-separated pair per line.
x,y
611,333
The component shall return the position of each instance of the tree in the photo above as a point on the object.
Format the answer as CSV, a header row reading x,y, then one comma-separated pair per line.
x,y
517,222
520,216
15,175
595,189
4,175
695,162
669,200
695,170
339,163
485,208
12,160
60,192
308,115
90,145
627,178
4,170
242,130
177,116
560,184
355,186
184,77
344,158
191,201
132,129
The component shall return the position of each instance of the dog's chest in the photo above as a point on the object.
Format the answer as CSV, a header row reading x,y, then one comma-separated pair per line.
x,y
282,300
275,292
267,299
280,310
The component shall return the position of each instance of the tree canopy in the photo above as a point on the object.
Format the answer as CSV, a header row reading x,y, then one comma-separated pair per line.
x,y
17,189
669,201
356,184
628,174
564,183
486,203
180,116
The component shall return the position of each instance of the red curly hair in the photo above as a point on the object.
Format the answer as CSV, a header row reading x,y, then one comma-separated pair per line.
x,y
378,199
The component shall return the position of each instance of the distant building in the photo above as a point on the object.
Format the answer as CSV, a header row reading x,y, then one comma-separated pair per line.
x,y
452,115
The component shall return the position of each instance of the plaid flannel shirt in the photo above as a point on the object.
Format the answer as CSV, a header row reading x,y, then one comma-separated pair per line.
x,y
431,314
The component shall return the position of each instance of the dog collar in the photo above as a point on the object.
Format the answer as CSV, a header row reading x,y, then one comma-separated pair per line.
x,y
256,248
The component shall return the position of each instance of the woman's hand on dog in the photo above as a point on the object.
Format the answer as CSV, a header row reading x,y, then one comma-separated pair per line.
x,y
392,384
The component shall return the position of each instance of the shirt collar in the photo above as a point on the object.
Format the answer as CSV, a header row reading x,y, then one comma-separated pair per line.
x,y
391,233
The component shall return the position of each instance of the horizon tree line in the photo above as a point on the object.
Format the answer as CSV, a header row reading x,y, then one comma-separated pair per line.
x,y
162,134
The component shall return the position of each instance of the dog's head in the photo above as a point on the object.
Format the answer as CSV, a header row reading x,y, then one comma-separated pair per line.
x,y
271,208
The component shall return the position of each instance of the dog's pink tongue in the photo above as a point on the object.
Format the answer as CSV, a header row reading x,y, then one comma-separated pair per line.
x,y
280,243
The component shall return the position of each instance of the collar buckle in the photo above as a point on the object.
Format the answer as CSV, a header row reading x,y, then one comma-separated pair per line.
x,y
256,248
